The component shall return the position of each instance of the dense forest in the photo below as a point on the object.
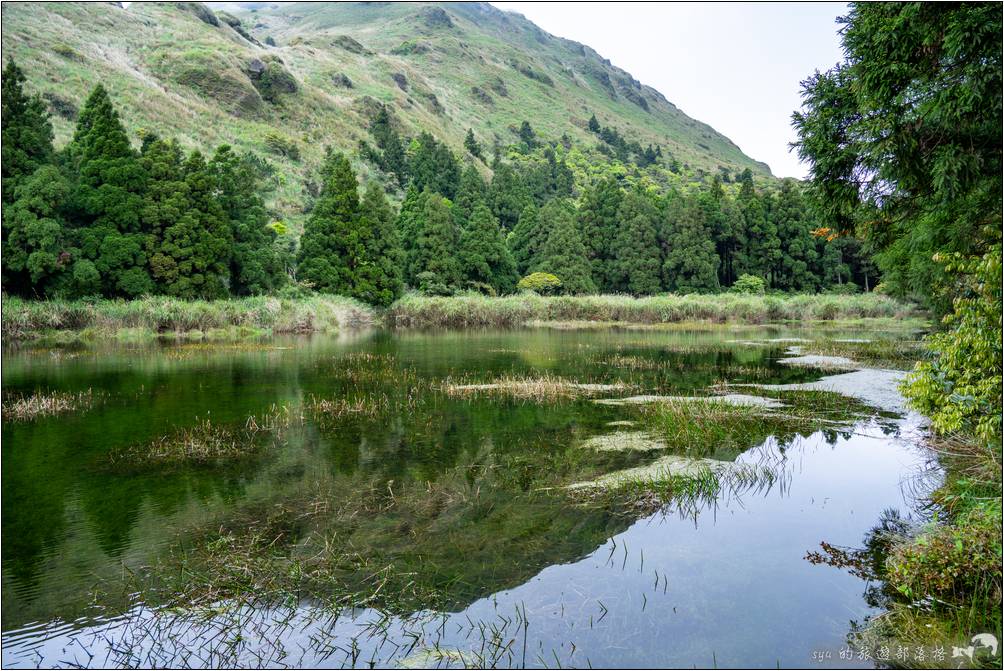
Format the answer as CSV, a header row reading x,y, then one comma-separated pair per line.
x,y
100,217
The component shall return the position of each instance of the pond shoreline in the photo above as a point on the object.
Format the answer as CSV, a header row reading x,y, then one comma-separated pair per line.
x,y
149,318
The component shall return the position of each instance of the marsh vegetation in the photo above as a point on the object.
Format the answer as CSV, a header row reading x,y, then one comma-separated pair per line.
x,y
378,497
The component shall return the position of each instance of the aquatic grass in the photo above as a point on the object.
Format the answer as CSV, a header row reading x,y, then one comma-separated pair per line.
x,y
544,388
161,315
28,407
899,354
202,443
477,311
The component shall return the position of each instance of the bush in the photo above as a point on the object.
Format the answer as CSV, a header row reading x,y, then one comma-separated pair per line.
x,y
541,283
283,146
749,284
846,289
951,562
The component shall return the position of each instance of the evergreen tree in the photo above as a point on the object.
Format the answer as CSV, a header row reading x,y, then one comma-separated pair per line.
x,y
37,250
378,270
507,196
527,136
527,238
391,156
484,256
109,198
26,131
598,221
472,145
563,253
409,224
472,192
637,253
332,240
434,264
198,243
256,258
790,215
434,167
691,263
166,204
594,124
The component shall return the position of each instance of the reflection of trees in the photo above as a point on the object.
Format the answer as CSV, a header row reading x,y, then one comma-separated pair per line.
x,y
868,562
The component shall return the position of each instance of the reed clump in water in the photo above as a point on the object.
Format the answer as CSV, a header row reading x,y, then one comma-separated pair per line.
x,y
545,388
27,407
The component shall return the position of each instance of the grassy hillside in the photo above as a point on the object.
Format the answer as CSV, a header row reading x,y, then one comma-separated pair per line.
x,y
210,75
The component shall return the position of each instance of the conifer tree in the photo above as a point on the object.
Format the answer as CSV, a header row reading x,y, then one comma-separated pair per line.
x,y
26,131
256,263
34,192
198,243
471,192
109,195
434,167
527,136
563,253
332,239
378,272
691,263
507,196
598,221
484,256
434,264
594,124
408,227
791,217
637,253
472,145
526,239
37,249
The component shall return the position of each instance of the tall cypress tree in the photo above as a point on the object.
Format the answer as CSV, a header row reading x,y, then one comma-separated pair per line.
x,y
598,221
256,263
527,238
26,131
332,239
409,224
507,196
434,264
637,253
484,256
472,192
691,263
109,195
791,217
34,192
434,167
563,253
379,271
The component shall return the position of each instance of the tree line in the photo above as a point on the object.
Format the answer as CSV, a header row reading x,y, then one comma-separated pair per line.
x,y
100,217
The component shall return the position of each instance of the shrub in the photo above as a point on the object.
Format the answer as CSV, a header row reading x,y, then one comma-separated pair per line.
x,y
952,561
541,283
283,146
846,289
749,284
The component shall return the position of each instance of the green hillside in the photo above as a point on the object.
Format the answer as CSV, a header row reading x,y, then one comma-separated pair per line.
x,y
208,76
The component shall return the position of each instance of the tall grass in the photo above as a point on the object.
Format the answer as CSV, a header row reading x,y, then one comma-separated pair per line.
x,y
475,310
26,319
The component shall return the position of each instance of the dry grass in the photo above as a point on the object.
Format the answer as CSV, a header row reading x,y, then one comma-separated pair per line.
x,y
542,389
24,408
200,444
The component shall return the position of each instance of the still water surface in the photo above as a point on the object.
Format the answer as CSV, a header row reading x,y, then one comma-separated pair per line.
x,y
521,580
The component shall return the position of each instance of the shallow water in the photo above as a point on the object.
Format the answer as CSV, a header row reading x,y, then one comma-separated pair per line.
x,y
522,578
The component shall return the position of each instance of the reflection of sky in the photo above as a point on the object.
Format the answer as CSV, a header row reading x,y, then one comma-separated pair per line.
x,y
731,588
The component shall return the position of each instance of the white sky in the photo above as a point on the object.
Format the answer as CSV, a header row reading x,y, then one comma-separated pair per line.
x,y
735,66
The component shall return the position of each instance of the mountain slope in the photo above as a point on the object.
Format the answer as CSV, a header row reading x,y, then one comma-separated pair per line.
x,y
207,77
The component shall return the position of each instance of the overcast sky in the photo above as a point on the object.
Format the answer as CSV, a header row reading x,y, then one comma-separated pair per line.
x,y
736,67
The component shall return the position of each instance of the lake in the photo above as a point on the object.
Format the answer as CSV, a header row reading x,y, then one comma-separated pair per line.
x,y
383,499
